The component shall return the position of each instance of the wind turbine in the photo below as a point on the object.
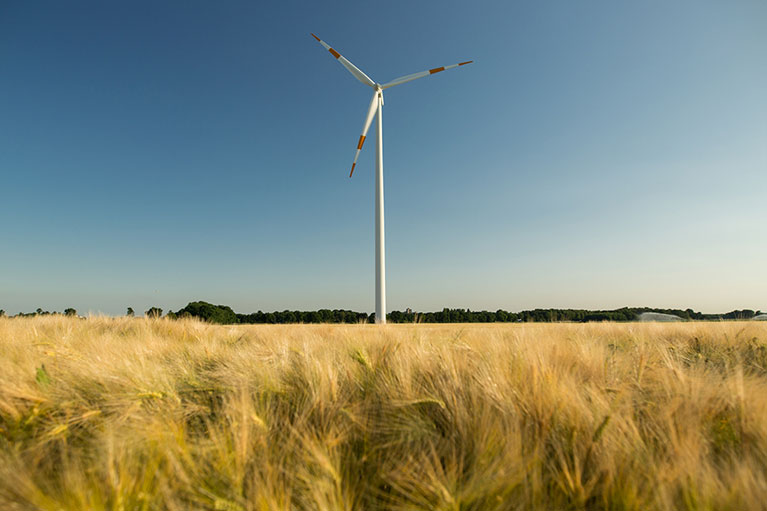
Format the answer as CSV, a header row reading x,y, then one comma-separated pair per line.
x,y
375,108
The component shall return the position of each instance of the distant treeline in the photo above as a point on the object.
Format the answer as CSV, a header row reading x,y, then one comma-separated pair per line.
x,y
224,315
69,311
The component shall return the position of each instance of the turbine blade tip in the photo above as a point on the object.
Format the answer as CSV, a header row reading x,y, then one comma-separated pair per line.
x,y
467,62
352,172
314,36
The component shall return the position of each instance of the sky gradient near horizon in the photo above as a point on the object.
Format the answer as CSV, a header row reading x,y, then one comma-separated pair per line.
x,y
596,155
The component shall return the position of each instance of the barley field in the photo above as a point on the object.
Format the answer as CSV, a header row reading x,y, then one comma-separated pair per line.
x,y
136,414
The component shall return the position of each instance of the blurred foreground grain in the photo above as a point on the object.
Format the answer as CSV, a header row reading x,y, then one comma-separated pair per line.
x,y
135,414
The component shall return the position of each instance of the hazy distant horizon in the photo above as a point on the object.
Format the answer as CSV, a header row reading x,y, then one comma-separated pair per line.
x,y
139,311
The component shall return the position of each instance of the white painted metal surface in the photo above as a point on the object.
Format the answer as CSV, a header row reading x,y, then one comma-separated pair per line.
x,y
374,107
416,76
359,75
376,104
380,241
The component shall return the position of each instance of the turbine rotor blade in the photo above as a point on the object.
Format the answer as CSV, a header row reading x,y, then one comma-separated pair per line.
x,y
368,121
416,76
354,70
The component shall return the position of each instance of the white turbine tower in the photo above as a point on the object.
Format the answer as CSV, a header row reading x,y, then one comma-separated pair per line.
x,y
375,108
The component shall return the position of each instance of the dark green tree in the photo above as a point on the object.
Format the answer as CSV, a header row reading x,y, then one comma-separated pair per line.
x,y
153,312
221,314
70,312
130,312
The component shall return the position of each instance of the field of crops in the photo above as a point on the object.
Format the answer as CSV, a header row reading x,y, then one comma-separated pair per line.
x,y
135,414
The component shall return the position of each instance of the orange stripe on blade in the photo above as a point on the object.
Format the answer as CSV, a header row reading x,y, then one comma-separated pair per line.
x,y
314,36
362,141
436,70
352,172
467,62
334,53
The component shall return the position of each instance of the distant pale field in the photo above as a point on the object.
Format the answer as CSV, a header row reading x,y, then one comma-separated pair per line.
x,y
134,414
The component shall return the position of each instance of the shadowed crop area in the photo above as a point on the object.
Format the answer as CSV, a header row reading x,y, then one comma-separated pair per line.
x,y
135,414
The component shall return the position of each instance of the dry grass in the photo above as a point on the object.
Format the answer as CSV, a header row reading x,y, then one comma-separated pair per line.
x,y
132,414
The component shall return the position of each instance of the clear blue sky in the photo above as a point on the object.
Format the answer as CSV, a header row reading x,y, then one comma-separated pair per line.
x,y
597,154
